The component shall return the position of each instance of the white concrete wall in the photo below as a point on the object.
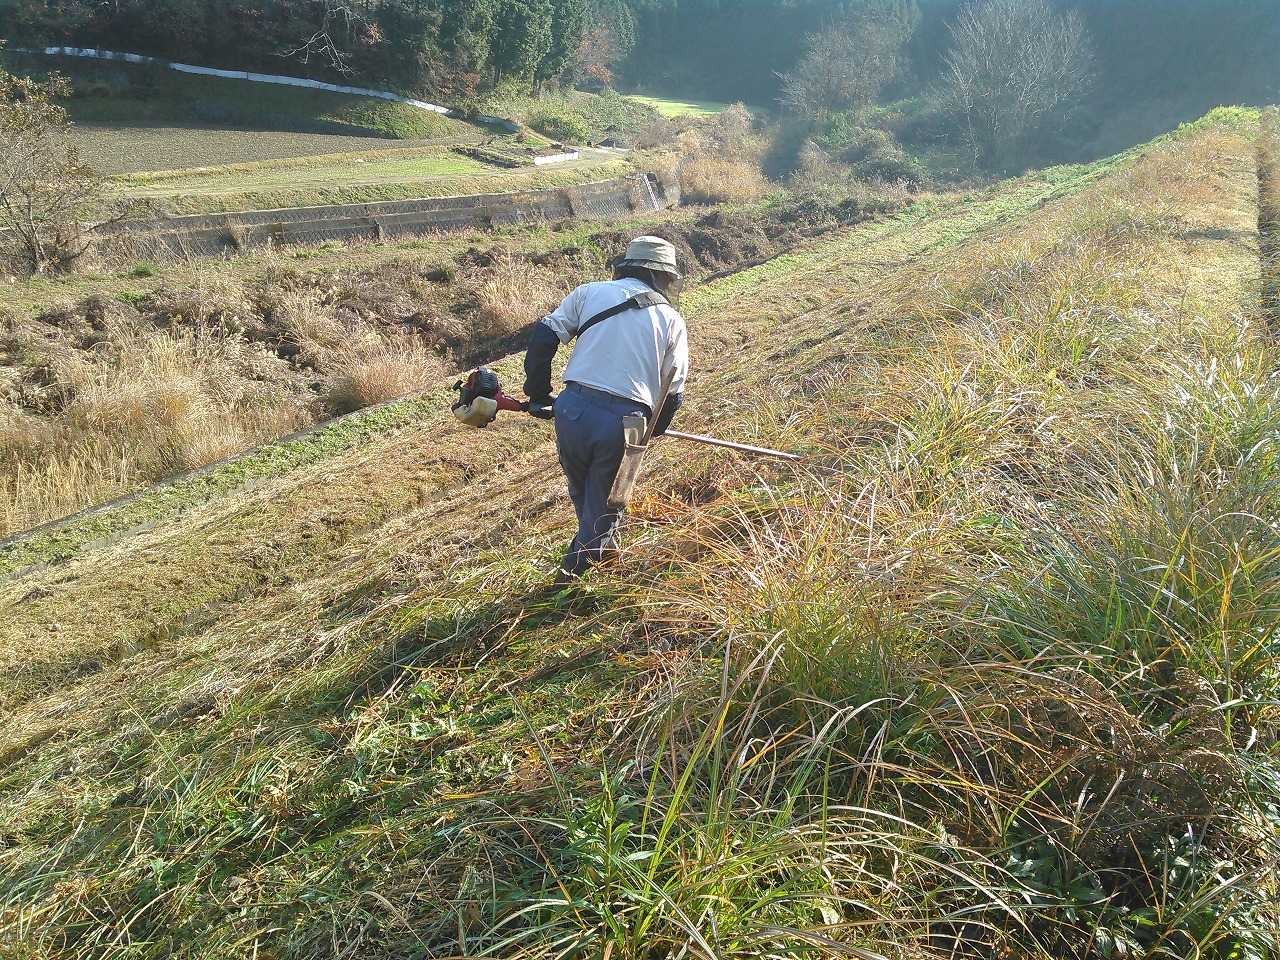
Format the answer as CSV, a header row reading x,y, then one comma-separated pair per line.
x,y
556,158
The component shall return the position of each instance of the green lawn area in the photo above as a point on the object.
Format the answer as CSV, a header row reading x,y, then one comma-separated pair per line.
x,y
680,108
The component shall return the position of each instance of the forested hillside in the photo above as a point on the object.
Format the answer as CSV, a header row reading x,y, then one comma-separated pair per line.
x,y
1219,52
446,48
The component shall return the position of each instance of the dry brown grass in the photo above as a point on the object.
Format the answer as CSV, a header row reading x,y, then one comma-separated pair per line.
x,y
380,369
716,180
307,323
153,403
513,294
722,157
103,396
214,299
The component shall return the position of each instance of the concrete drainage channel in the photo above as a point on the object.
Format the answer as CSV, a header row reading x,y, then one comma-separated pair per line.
x,y
214,234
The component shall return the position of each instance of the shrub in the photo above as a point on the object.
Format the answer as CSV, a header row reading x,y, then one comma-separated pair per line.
x,y
560,123
892,167
873,153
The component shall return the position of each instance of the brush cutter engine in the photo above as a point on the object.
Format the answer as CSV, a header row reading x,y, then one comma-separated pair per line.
x,y
480,398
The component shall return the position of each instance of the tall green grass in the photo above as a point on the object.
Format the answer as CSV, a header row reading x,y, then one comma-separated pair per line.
x,y
1031,627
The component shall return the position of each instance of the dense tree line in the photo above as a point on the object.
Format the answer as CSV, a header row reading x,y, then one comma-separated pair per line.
x,y
737,49
763,52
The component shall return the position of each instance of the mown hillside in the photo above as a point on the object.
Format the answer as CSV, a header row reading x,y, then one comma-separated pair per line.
x,y
993,674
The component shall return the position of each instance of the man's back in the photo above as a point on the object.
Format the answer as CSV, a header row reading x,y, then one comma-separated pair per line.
x,y
627,355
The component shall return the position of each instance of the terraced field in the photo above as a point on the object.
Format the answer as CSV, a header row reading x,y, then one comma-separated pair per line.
x,y
113,149
994,675
680,108
361,177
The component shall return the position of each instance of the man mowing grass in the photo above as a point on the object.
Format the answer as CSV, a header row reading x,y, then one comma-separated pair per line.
x,y
631,360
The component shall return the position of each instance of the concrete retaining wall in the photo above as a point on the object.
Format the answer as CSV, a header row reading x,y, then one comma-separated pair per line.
x,y
212,234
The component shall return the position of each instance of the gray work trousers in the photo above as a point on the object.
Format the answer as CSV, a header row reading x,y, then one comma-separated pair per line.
x,y
590,442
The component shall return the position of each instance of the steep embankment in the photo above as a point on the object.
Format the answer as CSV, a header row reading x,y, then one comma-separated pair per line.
x,y
996,681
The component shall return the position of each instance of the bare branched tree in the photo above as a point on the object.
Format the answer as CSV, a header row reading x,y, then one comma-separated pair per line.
x,y
331,43
843,67
46,192
1011,65
53,207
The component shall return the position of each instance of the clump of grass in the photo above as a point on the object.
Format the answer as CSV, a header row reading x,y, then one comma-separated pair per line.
x,y
1045,730
308,326
513,293
714,180
214,300
1269,216
378,370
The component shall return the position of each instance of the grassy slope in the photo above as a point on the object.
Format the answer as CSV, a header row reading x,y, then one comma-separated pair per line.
x,y
810,270
330,760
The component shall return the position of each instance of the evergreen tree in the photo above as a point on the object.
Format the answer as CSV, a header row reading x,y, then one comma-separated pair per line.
x,y
568,23
522,38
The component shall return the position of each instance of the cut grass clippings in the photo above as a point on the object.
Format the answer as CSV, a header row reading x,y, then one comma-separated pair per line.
x,y
66,538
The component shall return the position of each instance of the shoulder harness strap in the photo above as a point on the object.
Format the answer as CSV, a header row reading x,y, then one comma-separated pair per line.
x,y
649,298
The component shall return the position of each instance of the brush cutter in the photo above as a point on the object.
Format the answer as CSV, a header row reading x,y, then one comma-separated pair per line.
x,y
480,398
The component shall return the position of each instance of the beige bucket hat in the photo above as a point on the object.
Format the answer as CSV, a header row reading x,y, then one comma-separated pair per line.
x,y
653,253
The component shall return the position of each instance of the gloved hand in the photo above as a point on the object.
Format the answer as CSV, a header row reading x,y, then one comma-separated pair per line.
x,y
543,408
